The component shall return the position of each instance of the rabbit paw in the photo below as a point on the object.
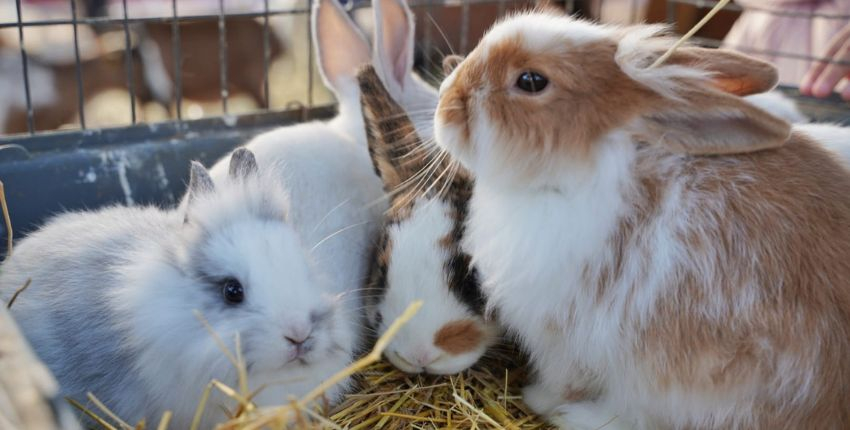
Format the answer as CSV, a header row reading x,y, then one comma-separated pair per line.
x,y
587,416
541,399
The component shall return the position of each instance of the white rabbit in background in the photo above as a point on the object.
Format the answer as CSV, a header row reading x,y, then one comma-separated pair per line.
x,y
671,256
110,309
337,199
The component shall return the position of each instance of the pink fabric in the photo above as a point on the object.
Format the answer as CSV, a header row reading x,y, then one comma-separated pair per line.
x,y
757,31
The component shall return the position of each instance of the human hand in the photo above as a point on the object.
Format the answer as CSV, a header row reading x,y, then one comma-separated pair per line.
x,y
822,77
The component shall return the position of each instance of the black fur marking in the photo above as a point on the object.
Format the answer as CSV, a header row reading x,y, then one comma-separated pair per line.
x,y
462,276
376,285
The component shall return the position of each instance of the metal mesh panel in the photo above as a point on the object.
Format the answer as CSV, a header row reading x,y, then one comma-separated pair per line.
x,y
444,26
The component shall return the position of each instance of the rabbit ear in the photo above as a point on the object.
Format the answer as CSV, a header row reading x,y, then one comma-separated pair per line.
x,y
242,163
712,123
341,47
394,145
393,43
200,182
699,110
732,72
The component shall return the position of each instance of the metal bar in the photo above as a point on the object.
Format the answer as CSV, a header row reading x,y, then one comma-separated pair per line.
x,y
464,27
222,55
131,85
58,140
80,96
310,60
633,11
671,13
178,75
162,19
705,4
295,11
30,121
266,55
428,41
716,43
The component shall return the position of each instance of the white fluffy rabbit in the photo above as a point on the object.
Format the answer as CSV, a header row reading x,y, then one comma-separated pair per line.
x,y
671,256
337,200
418,256
110,306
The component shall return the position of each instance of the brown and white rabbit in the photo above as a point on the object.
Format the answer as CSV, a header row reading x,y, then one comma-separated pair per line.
x,y
418,256
670,255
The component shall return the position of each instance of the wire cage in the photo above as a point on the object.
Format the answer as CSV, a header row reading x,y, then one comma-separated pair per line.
x,y
223,71
777,47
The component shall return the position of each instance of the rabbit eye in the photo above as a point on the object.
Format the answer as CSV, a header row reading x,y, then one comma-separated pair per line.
x,y
531,82
232,291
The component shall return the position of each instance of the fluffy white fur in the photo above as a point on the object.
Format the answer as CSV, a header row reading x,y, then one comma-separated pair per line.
x,y
417,271
111,305
834,137
779,105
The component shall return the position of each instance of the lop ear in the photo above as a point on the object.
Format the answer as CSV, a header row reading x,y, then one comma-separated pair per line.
x,y
395,147
200,183
393,44
341,47
705,115
732,72
242,164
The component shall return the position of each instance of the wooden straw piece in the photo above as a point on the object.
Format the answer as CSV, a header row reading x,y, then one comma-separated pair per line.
x,y
6,219
717,8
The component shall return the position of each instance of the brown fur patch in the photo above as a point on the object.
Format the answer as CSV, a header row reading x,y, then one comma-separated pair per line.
x,y
458,337
773,225
735,73
566,118
399,157
589,95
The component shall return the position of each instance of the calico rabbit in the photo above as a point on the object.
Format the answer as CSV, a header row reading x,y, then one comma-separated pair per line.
x,y
419,255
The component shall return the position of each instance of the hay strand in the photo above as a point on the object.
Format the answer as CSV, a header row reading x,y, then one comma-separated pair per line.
x,y
100,421
6,219
108,412
18,293
164,421
717,8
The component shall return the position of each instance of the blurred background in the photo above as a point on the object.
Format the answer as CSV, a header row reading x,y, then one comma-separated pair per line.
x,y
84,52
106,101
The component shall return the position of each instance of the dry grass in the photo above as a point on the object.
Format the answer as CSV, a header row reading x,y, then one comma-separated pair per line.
x,y
484,397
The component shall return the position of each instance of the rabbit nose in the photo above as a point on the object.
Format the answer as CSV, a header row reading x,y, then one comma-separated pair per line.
x,y
297,333
303,345
422,358
296,340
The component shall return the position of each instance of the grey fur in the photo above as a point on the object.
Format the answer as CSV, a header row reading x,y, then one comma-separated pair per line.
x,y
242,163
200,181
69,300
